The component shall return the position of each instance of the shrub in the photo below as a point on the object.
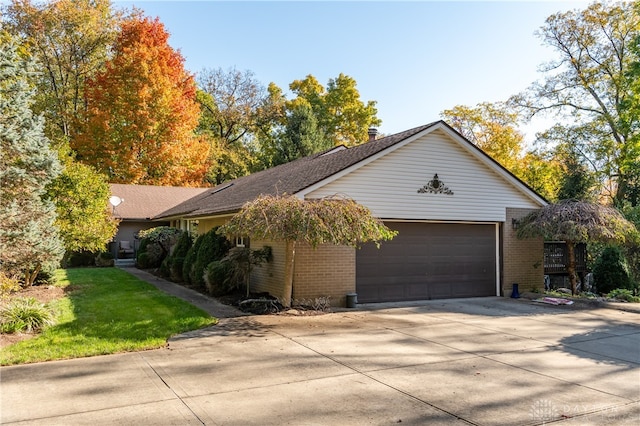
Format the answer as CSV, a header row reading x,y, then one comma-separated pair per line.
x,y
611,271
216,277
8,284
172,266
175,269
156,243
144,261
81,258
25,314
104,259
242,260
190,260
207,248
623,294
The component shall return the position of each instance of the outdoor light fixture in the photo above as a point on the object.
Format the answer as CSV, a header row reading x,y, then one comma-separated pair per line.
x,y
515,223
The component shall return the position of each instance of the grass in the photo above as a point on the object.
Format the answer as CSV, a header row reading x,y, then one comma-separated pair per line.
x,y
106,311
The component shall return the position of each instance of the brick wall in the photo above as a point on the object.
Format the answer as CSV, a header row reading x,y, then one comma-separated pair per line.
x,y
269,276
328,270
325,271
522,259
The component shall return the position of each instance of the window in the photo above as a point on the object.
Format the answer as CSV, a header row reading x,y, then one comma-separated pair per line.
x,y
242,241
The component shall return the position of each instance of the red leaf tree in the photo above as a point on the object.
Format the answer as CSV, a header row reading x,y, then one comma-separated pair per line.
x,y
141,112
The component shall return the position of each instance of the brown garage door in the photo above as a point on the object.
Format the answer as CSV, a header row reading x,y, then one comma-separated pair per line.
x,y
428,261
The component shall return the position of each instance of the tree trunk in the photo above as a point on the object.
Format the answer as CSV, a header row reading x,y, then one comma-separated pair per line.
x,y
571,265
288,273
30,277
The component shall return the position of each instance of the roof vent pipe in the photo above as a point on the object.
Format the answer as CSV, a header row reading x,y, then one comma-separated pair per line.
x,y
372,133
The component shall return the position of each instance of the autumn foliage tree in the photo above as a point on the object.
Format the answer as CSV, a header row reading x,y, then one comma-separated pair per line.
x,y
141,113
589,87
70,39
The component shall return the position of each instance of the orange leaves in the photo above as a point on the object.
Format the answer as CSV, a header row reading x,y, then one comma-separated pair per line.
x,y
141,112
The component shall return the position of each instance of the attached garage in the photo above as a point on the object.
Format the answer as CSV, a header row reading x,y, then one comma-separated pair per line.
x,y
455,208
429,261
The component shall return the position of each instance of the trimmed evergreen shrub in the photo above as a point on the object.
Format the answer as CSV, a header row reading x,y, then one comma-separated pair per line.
x,y
216,277
611,271
173,264
156,244
206,249
176,268
81,258
190,260
144,261
213,247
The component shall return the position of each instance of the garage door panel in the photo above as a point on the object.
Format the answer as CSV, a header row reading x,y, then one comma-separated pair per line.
x,y
428,261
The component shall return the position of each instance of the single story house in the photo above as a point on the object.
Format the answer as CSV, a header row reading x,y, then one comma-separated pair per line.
x,y
455,208
135,206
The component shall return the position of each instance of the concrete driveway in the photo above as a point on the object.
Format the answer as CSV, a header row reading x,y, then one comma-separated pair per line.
x,y
485,361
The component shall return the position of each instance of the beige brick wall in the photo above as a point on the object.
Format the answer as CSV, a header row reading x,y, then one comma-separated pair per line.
x,y
328,270
269,277
522,259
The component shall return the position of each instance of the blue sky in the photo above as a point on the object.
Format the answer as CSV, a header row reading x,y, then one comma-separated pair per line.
x,y
414,58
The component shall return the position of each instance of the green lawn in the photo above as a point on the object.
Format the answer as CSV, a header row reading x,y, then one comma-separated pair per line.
x,y
105,311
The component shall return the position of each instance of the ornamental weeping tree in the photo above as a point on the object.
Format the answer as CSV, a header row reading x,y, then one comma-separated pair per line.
x,y
576,222
332,220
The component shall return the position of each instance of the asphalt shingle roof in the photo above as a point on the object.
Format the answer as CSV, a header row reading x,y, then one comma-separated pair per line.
x,y
143,202
288,178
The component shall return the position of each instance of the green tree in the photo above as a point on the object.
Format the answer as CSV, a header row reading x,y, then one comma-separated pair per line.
x,y
630,111
576,181
29,238
236,112
588,87
287,218
576,222
342,116
70,39
299,138
80,195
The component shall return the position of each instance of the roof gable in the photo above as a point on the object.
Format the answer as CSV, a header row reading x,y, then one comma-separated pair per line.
x,y
305,175
290,178
399,183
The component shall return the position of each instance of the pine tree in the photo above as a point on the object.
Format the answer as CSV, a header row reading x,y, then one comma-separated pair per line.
x,y
29,239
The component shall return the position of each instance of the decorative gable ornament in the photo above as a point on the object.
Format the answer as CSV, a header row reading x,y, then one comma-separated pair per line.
x,y
435,186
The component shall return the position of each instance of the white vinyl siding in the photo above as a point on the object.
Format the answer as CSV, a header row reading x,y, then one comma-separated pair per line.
x,y
389,185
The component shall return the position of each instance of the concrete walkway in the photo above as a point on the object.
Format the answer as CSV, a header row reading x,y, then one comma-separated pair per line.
x,y
483,361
